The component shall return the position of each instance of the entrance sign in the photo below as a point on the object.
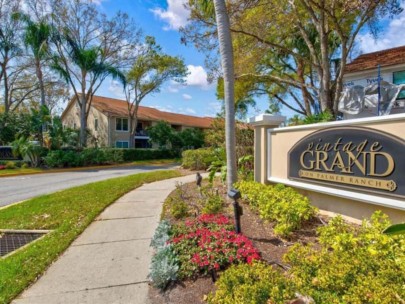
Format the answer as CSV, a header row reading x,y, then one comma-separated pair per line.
x,y
357,158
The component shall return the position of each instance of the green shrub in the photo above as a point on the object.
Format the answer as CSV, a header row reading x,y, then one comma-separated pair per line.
x,y
178,209
24,166
17,163
251,284
114,156
86,157
253,192
11,165
245,167
164,267
54,159
161,235
212,202
146,154
175,204
199,159
351,264
279,204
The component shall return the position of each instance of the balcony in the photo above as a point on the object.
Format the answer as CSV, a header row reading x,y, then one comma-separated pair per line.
x,y
140,133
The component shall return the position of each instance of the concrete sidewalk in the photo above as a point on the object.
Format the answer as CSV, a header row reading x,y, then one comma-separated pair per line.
x,y
109,262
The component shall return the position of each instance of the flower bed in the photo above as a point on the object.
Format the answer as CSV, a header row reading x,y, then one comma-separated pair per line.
x,y
211,244
324,260
205,244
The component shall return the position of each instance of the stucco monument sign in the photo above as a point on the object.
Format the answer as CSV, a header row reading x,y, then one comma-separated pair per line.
x,y
357,158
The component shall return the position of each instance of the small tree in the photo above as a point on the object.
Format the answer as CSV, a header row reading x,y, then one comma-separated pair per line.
x,y
160,134
37,36
150,70
90,48
192,138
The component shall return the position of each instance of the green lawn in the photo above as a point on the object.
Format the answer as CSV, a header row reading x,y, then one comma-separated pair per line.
x,y
15,171
157,161
68,213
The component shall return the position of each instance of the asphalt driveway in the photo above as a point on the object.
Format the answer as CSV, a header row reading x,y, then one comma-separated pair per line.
x,y
18,188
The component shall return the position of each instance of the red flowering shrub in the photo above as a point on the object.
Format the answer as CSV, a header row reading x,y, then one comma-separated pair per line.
x,y
210,221
207,243
2,167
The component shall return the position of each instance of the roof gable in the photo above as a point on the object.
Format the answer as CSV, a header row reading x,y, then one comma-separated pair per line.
x,y
383,58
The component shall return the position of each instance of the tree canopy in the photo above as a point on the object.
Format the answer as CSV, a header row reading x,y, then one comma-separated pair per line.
x,y
295,51
150,69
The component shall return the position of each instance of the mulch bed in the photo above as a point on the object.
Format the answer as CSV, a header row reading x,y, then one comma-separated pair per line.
x,y
271,246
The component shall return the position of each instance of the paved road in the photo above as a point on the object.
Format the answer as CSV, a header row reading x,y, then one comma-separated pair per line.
x,y
18,188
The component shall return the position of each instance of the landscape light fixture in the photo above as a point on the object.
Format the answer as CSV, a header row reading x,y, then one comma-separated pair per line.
x,y
237,209
198,179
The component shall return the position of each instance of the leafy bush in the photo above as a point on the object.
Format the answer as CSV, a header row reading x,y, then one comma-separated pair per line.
x,y
352,265
178,209
161,236
199,159
146,154
63,158
175,204
217,166
192,137
205,244
212,202
28,150
254,193
164,265
86,157
163,134
297,120
245,167
279,204
10,165
256,284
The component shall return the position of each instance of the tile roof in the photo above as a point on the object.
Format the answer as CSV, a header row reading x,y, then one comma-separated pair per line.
x,y
116,107
372,60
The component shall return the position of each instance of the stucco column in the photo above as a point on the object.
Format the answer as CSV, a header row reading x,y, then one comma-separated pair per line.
x,y
261,124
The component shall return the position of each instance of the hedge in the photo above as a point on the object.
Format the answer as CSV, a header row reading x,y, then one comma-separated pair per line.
x,y
147,154
103,156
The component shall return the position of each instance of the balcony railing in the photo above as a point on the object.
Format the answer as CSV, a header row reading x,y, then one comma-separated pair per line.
x,y
141,133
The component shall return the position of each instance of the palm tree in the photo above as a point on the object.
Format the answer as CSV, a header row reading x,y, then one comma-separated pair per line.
x,y
90,68
226,51
37,37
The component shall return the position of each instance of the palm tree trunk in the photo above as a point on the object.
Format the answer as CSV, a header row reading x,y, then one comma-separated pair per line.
x,y
38,71
226,50
83,121
7,104
42,90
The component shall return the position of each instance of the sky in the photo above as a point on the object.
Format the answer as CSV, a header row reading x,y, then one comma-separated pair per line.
x,y
162,19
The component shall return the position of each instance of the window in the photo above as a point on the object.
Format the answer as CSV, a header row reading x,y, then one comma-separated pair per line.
x,y
121,124
176,127
96,124
399,78
122,144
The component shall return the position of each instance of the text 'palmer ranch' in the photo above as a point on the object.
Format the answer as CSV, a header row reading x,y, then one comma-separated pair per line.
x,y
357,158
